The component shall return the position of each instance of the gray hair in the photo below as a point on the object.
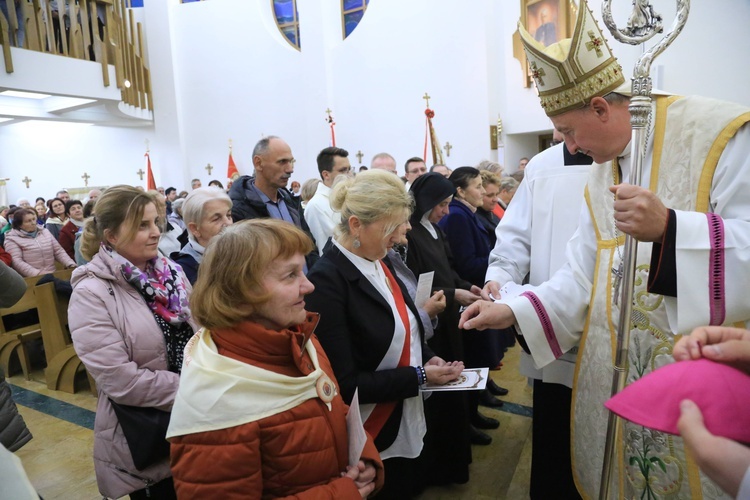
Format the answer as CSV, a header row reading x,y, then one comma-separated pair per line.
x,y
490,166
177,206
261,147
508,184
615,98
193,208
382,155
308,189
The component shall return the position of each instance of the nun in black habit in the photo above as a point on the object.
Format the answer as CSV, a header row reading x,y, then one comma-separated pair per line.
x,y
428,251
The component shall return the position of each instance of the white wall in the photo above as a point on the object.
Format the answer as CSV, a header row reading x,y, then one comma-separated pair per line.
x,y
221,70
373,81
55,156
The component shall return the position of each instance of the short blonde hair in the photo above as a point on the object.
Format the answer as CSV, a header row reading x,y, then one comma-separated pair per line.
x,y
229,288
490,178
371,196
118,210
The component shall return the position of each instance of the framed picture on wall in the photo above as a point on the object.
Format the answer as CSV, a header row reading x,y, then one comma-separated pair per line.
x,y
548,21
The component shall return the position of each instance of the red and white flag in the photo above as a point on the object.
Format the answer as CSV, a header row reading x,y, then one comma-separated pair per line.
x,y
151,183
232,172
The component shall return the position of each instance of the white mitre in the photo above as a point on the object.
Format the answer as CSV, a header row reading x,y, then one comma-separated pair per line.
x,y
569,73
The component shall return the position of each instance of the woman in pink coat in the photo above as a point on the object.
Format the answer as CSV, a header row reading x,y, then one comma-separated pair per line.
x,y
33,248
130,321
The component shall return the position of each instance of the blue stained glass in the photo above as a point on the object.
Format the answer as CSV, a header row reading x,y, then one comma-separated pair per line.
x,y
351,21
352,4
284,10
291,33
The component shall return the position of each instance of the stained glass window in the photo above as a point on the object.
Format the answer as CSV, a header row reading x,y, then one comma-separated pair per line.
x,y
287,20
351,14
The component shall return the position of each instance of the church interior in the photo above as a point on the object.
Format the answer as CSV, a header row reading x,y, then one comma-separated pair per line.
x,y
187,83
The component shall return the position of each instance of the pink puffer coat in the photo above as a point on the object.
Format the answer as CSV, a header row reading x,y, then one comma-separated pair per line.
x,y
121,345
35,256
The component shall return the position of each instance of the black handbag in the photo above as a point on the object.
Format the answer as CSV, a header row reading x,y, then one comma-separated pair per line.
x,y
145,430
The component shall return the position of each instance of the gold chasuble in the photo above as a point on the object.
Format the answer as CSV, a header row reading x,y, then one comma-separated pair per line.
x,y
688,138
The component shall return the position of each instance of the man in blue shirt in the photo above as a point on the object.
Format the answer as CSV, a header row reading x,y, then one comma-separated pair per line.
x,y
265,195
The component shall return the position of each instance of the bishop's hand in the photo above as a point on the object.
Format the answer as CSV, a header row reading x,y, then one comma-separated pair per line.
x,y
482,315
639,212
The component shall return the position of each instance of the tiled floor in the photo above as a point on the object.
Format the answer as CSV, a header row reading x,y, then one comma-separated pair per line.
x,y
58,459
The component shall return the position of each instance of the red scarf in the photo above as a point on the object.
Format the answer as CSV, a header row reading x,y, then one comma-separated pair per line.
x,y
382,411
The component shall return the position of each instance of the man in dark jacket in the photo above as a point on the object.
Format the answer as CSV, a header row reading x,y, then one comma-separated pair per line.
x,y
265,194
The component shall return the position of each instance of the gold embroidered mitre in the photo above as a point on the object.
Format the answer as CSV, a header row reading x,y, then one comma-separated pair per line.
x,y
570,72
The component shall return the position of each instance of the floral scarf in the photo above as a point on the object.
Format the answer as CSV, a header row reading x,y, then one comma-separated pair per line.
x,y
163,289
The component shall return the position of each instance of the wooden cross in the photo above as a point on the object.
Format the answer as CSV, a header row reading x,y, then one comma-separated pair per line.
x,y
427,98
448,148
208,168
26,181
140,173
359,156
85,178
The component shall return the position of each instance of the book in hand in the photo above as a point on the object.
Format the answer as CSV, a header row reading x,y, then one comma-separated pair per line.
x,y
471,379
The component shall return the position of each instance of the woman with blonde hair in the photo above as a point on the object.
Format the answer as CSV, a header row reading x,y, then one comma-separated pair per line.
x,y
370,328
130,321
258,413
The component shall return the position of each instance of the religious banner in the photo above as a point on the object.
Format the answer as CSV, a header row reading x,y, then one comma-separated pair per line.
x,y
150,182
3,193
430,136
232,172
332,124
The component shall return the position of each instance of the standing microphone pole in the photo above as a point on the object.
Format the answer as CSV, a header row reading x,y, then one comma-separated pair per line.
x,y
643,25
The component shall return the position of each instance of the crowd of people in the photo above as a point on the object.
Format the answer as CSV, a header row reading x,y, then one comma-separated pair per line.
x,y
245,325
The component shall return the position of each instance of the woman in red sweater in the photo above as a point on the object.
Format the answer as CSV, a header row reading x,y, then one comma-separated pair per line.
x,y
67,238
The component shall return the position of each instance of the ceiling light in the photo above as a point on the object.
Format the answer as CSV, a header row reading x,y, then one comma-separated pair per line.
x,y
25,95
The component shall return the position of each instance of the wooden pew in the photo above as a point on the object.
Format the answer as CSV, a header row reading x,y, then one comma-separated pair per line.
x,y
63,364
14,341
